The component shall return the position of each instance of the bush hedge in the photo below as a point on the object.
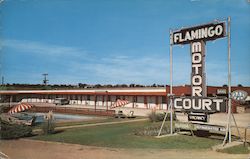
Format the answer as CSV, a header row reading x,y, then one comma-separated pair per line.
x,y
153,130
156,117
13,131
4,108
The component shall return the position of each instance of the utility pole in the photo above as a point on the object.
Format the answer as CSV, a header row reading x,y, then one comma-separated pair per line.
x,y
45,80
2,80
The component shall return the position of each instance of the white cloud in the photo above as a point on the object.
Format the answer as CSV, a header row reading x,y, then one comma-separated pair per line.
x,y
39,48
125,69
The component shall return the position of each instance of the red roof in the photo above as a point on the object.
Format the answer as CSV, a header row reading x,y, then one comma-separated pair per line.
x,y
177,90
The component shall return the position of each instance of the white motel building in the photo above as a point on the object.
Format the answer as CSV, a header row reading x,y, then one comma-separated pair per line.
x,y
141,98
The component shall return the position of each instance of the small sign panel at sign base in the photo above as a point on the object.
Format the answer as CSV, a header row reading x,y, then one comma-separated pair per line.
x,y
201,117
197,126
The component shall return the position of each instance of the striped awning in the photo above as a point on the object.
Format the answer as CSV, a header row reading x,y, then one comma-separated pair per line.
x,y
119,103
20,107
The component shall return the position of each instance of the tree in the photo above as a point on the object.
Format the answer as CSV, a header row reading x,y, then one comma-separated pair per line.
x,y
98,86
124,85
82,85
132,85
154,85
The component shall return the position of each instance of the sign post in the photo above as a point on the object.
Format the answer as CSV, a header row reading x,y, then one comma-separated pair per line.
x,y
228,130
170,107
171,82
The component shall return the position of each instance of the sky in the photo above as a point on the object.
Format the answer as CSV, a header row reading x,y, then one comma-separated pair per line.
x,y
117,41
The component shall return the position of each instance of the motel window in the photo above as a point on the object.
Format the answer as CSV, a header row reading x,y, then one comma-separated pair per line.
x,y
88,97
135,98
74,97
14,98
117,97
163,99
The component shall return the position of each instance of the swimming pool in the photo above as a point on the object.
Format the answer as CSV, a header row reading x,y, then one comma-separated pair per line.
x,y
57,116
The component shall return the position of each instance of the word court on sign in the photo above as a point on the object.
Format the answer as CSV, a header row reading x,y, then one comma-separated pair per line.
x,y
192,104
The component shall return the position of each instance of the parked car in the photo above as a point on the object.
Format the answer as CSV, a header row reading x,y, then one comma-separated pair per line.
x,y
61,101
120,115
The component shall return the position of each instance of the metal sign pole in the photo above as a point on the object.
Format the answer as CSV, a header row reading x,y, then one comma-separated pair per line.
x,y
171,81
171,89
228,130
229,77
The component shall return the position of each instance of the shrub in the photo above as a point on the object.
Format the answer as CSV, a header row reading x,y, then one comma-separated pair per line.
x,y
153,130
4,108
156,117
13,131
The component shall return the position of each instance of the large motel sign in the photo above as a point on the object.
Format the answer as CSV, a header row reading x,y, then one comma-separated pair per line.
x,y
197,37
198,104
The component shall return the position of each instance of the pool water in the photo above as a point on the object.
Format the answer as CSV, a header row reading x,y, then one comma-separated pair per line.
x,y
57,116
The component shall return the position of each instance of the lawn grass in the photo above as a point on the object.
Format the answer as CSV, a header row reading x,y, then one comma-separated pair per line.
x,y
239,149
85,122
107,119
122,136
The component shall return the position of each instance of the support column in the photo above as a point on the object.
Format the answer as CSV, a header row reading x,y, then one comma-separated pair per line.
x,y
107,102
10,100
146,102
102,100
81,98
77,99
156,101
133,98
95,101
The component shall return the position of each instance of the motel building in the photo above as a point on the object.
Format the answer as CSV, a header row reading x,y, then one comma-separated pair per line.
x,y
139,99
